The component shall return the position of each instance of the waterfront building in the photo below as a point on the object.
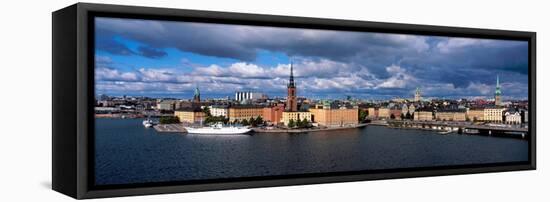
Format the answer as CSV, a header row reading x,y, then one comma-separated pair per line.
x,y
423,115
183,104
395,113
287,116
167,105
412,108
248,95
493,114
330,117
373,112
190,115
106,103
475,114
291,103
404,109
273,114
417,97
451,115
498,99
512,116
525,115
384,113
241,112
219,110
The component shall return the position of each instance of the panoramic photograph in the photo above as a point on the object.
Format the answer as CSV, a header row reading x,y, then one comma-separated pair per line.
x,y
180,101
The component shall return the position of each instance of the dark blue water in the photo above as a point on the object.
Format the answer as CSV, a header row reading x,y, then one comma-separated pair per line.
x,y
126,152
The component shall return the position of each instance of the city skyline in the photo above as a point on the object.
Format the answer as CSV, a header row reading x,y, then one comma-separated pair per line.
x,y
170,59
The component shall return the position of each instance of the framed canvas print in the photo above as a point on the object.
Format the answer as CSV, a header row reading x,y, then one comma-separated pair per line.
x,y
153,100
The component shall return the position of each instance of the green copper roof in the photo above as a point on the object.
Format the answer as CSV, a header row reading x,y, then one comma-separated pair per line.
x,y
497,89
197,92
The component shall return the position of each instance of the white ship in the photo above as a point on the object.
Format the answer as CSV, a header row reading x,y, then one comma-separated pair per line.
x,y
148,123
219,129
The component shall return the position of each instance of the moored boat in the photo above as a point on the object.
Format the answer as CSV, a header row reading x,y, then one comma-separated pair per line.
x,y
148,123
218,129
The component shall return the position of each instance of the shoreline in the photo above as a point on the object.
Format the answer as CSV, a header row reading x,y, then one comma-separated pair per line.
x,y
259,130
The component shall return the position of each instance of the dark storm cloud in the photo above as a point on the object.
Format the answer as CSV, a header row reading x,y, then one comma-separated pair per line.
x,y
442,65
151,52
109,45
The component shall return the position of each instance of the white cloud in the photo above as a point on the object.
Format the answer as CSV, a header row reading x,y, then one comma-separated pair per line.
x,y
113,74
157,75
453,44
399,78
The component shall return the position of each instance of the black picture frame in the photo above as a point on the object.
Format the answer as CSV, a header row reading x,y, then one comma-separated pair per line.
x,y
73,95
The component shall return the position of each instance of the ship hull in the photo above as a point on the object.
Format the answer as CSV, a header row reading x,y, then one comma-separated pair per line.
x,y
217,131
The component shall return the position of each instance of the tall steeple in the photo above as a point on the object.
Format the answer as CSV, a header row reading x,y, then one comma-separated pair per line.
x,y
197,95
497,88
291,103
417,95
498,93
291,80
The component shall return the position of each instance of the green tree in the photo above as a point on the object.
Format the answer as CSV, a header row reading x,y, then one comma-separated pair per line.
x,y
305,123
291,123
206,110
245,122
259,120
169,120
363,115
299,123
252,122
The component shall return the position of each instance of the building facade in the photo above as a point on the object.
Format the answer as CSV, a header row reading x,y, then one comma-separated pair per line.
x,y
423,115
475,114
451,115
273,114
395,113
167,105
383,113
244,112
190,115
219,110
335,117
493,114
373,112
248,95
512,117
287,116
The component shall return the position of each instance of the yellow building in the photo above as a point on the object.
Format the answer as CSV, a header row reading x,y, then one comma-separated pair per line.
x,y
451,115
244,112
423,116
384,113
493,114
335,117
287,116
190,115
475,114
373,112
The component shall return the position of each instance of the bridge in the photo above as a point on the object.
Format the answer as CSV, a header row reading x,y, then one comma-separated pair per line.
x,y
463,128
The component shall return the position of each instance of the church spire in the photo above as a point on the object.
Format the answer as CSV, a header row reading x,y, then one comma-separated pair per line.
x,y
497,89
291,80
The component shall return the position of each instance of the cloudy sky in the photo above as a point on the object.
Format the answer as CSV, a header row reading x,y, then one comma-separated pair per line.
x,y
163,58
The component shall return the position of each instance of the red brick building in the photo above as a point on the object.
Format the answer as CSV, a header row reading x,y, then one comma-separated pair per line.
x,y
273,114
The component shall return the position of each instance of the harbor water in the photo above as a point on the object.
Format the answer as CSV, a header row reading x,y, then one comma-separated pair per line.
x,y
126,152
